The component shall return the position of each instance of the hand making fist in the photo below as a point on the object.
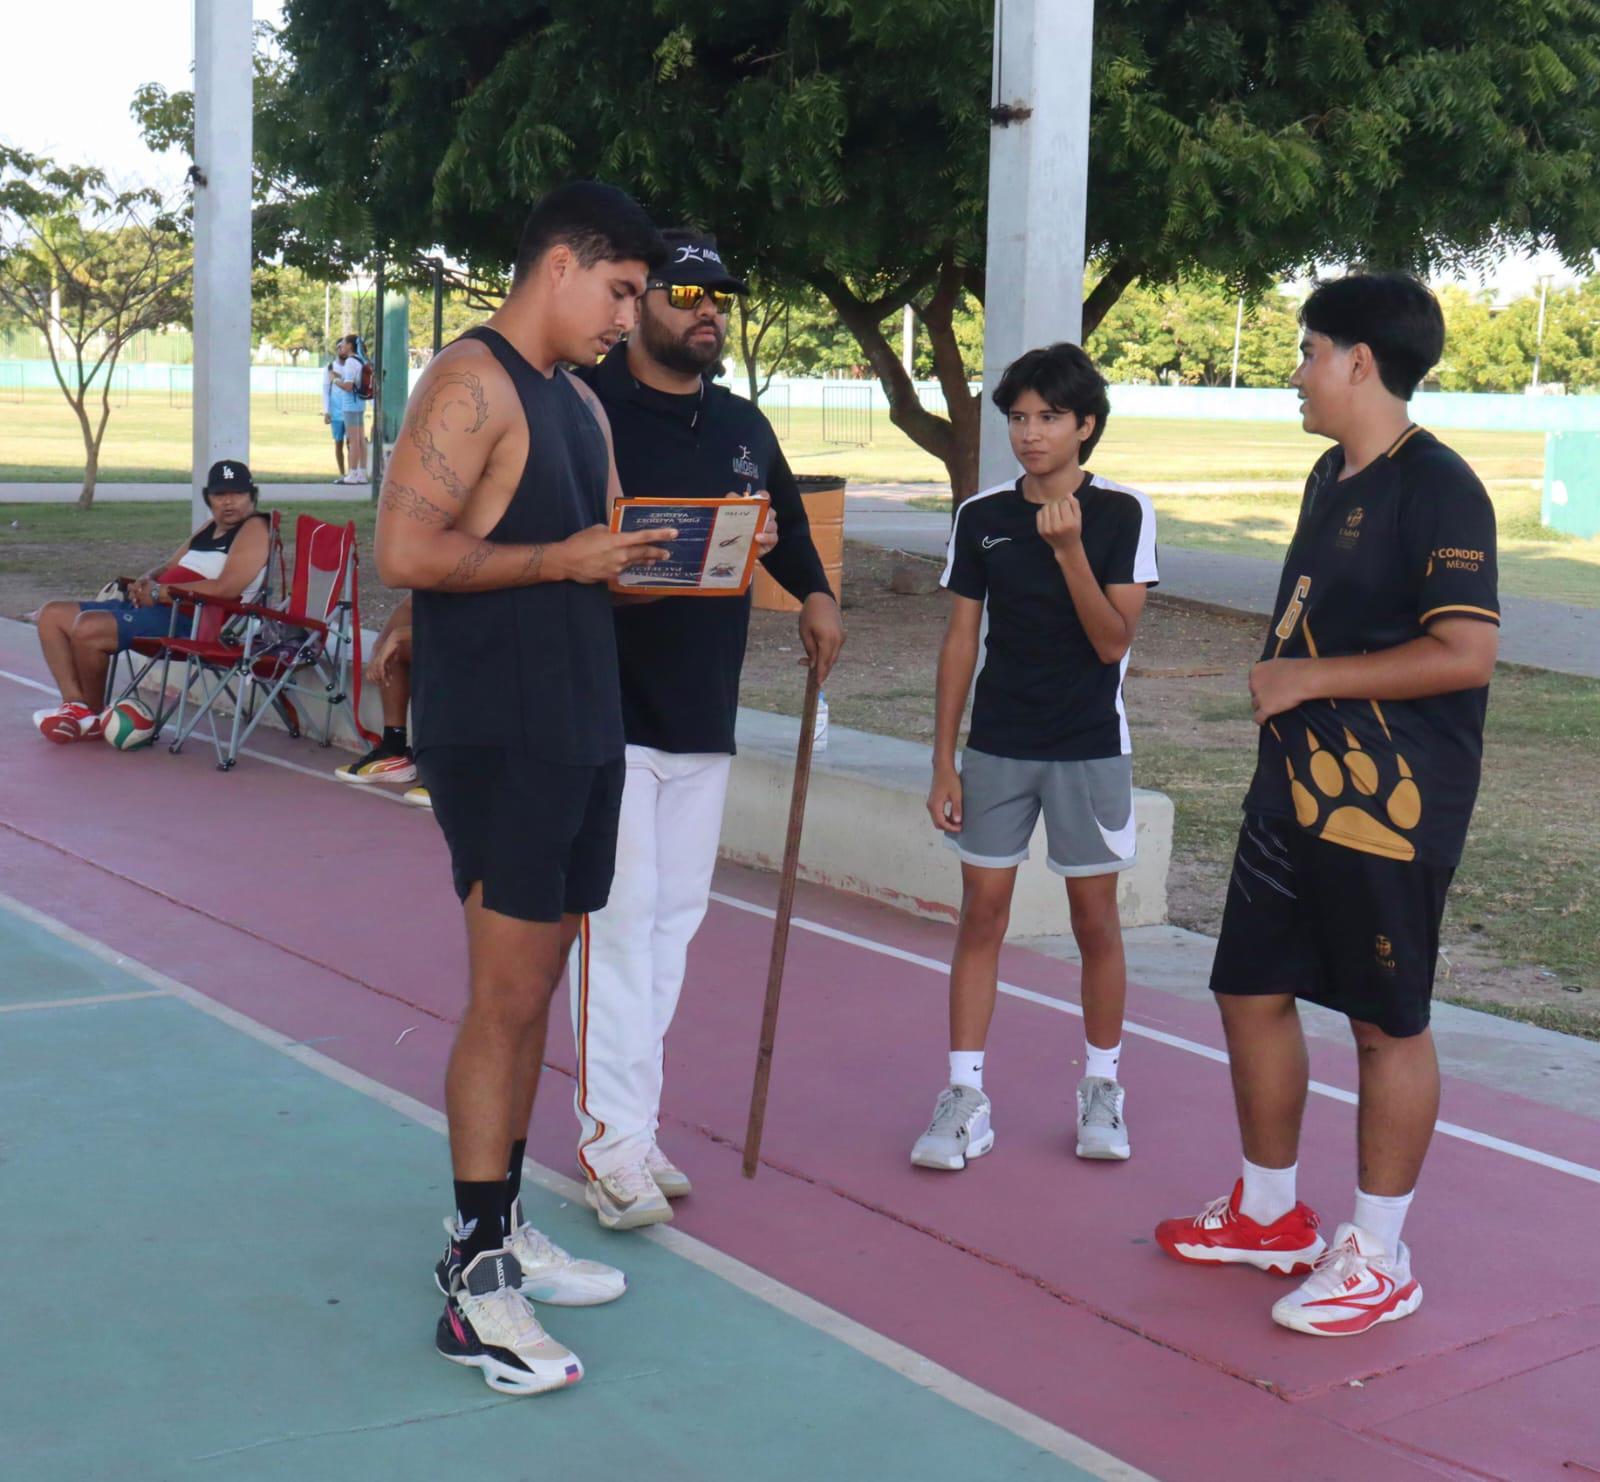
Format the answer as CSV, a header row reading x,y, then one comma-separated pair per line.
x,y
1060,522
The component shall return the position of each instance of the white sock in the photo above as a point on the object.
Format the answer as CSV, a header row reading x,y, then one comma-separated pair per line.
x,y
1102,1063
966,1068
1382,1216
1268,1192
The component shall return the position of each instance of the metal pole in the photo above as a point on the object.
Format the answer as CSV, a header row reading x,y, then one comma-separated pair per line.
x,y
1538,344
376,459
1238,324
1038,182
438,304
222,128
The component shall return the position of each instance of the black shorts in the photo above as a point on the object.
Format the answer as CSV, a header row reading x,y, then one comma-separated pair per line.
x,y
541,836
1351,931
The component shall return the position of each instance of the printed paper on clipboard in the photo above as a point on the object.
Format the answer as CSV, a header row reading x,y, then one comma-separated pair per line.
x,y
713,554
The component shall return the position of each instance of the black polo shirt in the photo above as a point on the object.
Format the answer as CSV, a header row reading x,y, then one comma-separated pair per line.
x,y
1375,559
680,658
1043,693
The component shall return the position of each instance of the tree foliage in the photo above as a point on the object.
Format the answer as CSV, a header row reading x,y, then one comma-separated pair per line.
x,y
840,146
89,266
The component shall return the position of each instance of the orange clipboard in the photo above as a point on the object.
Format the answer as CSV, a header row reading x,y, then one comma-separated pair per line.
x,y
714,554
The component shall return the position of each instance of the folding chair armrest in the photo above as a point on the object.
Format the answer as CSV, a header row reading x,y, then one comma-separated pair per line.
x,y
255,609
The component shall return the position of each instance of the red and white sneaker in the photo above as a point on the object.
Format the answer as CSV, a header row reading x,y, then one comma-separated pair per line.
x,y
1220,1236
68,722
1355,1286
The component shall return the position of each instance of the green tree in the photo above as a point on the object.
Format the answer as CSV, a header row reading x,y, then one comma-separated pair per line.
x,y
89,267
841,145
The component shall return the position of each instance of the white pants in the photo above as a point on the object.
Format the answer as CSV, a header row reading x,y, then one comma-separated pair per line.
x,y
628,963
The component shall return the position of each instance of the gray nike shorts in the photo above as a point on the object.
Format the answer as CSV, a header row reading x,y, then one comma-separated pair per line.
x,y
1088,812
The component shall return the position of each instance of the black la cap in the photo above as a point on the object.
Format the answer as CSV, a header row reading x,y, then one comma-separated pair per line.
x,y
230,476
693,258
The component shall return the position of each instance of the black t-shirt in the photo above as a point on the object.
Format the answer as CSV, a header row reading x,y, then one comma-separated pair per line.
x,y
680,658
531,668
1043,693
1375,559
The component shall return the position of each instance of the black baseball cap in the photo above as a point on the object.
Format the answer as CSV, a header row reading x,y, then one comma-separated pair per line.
x,y
230,476
693,258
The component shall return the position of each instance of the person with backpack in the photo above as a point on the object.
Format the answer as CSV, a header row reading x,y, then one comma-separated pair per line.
x,y
352,389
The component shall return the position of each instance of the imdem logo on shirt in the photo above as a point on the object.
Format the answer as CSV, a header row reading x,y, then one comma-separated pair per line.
x,y
745,466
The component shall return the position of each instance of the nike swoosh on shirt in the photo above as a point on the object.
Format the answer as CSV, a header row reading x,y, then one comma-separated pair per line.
x,y
991,541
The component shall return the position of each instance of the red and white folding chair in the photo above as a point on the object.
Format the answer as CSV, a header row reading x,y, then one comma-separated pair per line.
x,y
188,623
306,647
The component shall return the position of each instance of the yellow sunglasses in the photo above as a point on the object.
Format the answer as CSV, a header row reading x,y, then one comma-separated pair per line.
x,y
688,296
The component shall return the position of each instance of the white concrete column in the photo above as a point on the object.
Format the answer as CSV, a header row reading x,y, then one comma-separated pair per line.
x,y
223,82
1038,176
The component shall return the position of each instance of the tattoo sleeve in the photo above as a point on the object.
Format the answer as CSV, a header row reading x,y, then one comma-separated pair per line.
x,y
454,400
468,566
402,499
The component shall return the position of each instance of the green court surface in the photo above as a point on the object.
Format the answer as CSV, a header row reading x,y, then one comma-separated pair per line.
x,y
224,1271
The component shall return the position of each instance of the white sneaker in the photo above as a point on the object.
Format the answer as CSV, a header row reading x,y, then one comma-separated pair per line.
x,y
550,1275
489,1325
1102,1132
1354,1286
670,1179
960,1130
627,1199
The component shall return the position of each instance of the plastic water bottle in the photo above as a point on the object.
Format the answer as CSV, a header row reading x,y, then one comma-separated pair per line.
x,y
819,737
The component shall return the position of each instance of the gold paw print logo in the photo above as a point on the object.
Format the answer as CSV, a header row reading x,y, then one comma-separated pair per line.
x,y
1375,828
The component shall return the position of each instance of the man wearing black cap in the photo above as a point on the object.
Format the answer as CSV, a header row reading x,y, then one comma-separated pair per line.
x,y
676,435
226,557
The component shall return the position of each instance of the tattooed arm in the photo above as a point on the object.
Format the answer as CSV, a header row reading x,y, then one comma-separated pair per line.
x,y
462,408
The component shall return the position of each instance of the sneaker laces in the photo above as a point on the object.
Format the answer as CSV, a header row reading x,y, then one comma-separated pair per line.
x,y
1101,1110
1216,1214
509,1313
952,1111
1337,1262
534,1248
657,1161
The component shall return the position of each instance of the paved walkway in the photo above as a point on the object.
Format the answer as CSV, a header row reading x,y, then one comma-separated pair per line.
x,y
1544,635
1022,1301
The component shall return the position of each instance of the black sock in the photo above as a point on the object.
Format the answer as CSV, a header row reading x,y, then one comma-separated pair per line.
x,y
394,738
514,1178
480,1209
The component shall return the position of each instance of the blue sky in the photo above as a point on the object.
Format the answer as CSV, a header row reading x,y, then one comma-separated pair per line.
x,y
71,102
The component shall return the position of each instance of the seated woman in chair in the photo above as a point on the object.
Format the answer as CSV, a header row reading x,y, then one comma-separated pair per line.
x,y
226,557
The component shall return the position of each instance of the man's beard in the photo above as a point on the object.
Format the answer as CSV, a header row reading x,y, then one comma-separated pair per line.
x,y
677,354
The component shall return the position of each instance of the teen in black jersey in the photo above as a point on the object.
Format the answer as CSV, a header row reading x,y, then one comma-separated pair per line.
x,y
1371,693
494,511
1061,561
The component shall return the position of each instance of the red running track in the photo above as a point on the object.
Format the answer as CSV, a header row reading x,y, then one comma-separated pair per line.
x,y
327,914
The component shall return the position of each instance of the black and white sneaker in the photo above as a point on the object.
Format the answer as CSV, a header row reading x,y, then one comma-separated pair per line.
x,y
489,1325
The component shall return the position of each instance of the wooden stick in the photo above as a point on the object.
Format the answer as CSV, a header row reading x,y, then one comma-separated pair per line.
x,y
780,927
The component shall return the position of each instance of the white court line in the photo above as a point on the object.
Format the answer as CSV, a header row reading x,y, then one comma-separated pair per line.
x,y
78,1003
923,1372
1177,1042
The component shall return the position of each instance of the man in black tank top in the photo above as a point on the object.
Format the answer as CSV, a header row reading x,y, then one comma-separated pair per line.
x,y
494,513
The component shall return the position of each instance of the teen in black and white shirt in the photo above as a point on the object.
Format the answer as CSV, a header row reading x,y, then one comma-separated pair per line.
x,y
1061,559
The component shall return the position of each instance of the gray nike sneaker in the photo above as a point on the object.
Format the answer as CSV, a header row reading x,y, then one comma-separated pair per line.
x,y
960,1130
1102,1132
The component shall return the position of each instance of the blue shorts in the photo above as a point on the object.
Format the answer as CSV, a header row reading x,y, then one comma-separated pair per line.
x,y
337,423
134,622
